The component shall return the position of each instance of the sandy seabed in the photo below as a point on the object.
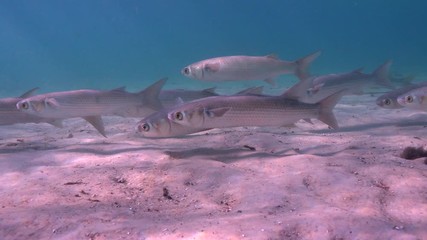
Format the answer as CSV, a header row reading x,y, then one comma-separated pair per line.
x,y
242,183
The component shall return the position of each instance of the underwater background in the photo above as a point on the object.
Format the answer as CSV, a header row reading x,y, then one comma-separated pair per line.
x,y
103,44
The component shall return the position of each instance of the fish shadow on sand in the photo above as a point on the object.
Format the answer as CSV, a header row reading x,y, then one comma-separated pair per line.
x,y
362,127
316,151
106,152
230,155
227,155
18,147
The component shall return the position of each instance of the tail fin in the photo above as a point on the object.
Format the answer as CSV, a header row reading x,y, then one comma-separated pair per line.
x,y
326,106
151,94
299,90
381,75
303,63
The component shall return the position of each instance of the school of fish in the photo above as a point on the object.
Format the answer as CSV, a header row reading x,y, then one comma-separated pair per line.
x,y
178,112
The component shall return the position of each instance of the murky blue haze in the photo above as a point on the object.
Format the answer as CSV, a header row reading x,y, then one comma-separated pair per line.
x,y
71,44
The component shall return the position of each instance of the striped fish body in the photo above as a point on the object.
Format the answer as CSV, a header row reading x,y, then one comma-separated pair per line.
x,y
237,111
81,103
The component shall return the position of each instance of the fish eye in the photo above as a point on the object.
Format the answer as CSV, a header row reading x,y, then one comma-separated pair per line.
x,y
387,101
409,99
179,116
25,105
144,127
186,71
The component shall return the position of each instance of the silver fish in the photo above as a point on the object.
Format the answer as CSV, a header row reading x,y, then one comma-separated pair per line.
x,y
415,99
234,68
10,115
238,111
158,125
314,89
389,100
92,104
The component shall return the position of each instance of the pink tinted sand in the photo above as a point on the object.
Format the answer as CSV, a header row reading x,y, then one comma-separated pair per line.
x,y
241,183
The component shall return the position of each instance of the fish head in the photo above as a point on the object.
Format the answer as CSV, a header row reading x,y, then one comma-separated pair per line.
x,y
410,100
37,106
388,102
191,117
31,106
203,70
154,126
194,71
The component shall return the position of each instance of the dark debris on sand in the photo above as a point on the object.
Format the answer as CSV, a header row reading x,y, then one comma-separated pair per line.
x,y
411,153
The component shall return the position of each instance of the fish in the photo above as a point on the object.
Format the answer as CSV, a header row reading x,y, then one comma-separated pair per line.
x,y
389,99
251,110
158,125
92,104
415,99
314,89
10,115
235,68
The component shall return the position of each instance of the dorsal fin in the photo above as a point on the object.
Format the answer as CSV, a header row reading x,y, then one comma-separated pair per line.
x,y
210,90
119,89
29,93
178,101
151,94
273,56
358,70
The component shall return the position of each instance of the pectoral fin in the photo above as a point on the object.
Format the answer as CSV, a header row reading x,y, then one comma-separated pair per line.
x,y
96,121
51,102
212,67
57,123
37,105
308,120
217,112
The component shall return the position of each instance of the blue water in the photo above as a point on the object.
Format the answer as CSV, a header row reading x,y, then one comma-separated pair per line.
x,y
71,44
